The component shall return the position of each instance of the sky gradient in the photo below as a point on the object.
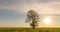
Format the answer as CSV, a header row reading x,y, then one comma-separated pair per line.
x,y
13,12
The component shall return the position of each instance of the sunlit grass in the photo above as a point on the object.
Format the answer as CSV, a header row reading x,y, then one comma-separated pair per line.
x,y
29,30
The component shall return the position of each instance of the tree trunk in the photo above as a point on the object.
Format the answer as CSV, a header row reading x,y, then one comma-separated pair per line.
x,y
33,24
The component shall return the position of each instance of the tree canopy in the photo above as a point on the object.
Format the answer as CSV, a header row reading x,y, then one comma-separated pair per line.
x,y
32,18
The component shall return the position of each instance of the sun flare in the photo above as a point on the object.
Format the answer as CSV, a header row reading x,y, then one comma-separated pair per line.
x,y
47,20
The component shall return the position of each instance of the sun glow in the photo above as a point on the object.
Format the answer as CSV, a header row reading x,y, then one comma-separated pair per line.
x,y
47,20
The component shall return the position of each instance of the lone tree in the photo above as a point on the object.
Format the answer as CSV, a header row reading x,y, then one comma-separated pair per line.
x,y
32,18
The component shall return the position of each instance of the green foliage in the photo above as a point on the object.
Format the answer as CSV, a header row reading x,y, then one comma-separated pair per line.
x,y
32,18
47,31
30,30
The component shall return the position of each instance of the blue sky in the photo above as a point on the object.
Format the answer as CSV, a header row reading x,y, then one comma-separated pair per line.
x,y
13,12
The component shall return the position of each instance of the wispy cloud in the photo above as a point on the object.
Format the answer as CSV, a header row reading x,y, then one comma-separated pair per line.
x,y
22,6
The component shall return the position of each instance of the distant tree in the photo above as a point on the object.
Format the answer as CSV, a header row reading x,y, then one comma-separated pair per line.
x,y
32,18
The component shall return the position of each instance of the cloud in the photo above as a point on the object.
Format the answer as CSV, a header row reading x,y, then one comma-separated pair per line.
x,y
41,6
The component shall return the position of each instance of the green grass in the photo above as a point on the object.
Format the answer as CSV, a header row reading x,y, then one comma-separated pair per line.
x,y
29,30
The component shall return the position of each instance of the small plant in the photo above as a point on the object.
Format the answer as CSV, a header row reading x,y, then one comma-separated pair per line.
x,y
40,31
47,31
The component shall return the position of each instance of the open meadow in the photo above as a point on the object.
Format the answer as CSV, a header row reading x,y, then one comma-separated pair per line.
x,y
29,30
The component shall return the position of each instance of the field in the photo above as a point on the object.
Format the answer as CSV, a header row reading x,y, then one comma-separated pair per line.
x,y
29,30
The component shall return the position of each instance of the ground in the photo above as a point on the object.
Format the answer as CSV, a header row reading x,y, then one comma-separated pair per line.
x,y
29,29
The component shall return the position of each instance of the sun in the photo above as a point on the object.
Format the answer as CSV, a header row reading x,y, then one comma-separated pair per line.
x,y
47,20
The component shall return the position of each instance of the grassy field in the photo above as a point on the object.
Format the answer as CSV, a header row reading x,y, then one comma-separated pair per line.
x,y
29,30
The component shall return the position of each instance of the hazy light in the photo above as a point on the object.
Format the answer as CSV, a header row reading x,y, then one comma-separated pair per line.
x,y
47,20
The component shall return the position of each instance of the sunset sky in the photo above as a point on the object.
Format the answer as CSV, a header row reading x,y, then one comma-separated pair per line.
x,y
13,12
